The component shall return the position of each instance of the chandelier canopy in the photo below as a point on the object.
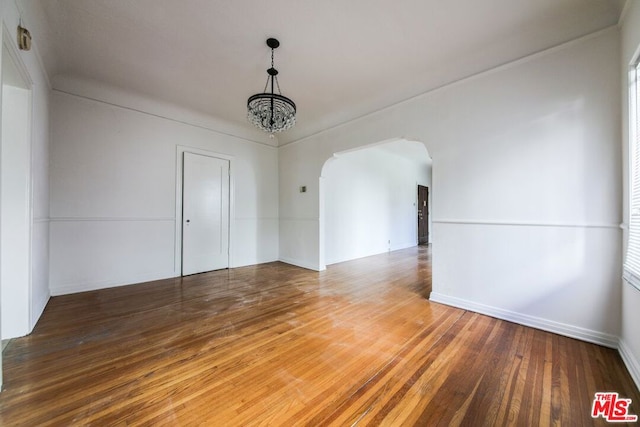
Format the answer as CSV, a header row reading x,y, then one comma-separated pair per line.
x,y
272,112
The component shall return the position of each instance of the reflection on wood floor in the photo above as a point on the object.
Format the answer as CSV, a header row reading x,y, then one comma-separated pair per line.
x,y
279,345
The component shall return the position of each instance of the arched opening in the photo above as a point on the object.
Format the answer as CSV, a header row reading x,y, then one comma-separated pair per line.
x,y
369,199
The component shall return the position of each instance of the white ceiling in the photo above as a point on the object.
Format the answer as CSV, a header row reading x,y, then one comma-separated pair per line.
x,y
338,60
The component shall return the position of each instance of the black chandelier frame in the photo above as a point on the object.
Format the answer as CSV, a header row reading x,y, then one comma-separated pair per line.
x,y
271,111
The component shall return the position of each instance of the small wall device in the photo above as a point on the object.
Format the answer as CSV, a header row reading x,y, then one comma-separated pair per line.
x,y
24,38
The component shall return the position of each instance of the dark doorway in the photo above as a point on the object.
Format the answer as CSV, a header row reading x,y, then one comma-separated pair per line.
x,y
423,215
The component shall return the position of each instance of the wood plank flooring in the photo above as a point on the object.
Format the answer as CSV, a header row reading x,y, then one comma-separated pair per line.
x,y
358,344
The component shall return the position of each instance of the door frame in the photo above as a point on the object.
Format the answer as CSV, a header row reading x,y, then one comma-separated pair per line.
x,y
180,150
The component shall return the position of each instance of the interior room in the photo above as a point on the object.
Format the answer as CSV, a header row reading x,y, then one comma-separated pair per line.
x,y
442,226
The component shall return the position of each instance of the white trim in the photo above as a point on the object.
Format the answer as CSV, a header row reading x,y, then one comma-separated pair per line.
x,y
298,263
257,218
404,245
389,249
632,364
111,283
180,150
109,219
631,279
571,331
615,226
498,68
322,236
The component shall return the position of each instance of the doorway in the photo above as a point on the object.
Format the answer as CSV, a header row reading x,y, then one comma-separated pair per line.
x,y
205,213
368,199
423,215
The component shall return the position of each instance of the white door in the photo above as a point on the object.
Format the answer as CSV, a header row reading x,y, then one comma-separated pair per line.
x,y
205,214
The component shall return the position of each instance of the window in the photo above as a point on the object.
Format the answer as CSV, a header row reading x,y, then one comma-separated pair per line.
x,y
632,263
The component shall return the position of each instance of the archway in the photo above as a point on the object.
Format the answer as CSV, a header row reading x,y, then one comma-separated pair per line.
x,y
368,199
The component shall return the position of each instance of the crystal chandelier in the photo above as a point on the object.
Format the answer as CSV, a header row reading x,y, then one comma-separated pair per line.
x,y
271,112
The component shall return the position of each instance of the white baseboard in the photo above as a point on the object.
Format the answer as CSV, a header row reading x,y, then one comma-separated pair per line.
x,y
299,263
257,262
73,288
405,245
94,286
632,364
571,331
375,251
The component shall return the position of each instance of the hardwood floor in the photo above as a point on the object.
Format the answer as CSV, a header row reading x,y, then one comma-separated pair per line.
x,y
279,345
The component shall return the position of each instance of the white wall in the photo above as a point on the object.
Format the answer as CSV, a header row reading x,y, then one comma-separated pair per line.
x,y
34,290
526,187
630,330
113,191
370,202
16,208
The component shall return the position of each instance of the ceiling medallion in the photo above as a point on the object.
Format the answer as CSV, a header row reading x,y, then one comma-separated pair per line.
x,y
272,112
